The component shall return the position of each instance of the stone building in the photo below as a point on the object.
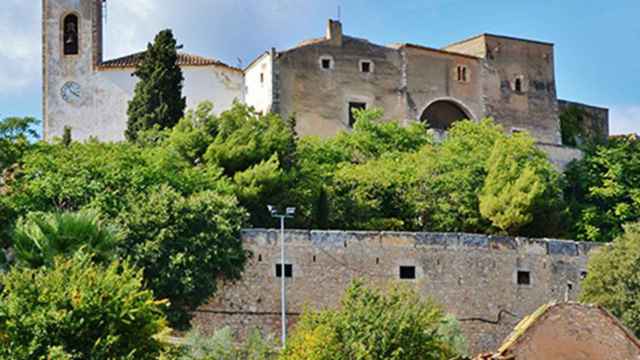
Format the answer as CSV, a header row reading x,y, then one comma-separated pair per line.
x,y
319,81
568,331
489,283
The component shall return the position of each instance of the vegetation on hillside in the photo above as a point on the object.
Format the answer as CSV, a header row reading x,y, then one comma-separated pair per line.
x,y
613,278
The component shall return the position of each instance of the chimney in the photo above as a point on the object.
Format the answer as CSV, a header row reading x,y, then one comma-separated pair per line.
x,y
334,32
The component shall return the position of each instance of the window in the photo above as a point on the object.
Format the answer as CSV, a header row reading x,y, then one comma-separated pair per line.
x,y
462,73
261,78
288,270
516,131
352,107
70,35
326,62
518,85
366,66
524,277
583,275
407,272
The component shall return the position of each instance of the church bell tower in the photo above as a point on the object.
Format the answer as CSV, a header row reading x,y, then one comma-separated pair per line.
x,y
71,53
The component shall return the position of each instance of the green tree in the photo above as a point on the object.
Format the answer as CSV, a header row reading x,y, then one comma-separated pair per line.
x,y
613,278
39,238
157,98
183,244
604,189
374,324
520,184
222,345
16,134
79,310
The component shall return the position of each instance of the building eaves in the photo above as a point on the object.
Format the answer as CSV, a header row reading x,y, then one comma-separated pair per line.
x,y
184,59
440,51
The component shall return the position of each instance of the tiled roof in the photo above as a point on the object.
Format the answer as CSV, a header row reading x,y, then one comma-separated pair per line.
x,y
184,59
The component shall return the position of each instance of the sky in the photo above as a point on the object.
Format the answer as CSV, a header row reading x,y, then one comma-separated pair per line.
x,y
597,42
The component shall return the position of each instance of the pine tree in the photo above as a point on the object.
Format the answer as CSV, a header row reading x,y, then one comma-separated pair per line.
x,y
157,98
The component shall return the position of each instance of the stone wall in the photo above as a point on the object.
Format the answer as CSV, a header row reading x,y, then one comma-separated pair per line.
x,y
594,123
475,277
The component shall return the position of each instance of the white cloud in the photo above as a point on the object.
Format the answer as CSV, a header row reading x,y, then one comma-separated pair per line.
x,y
20,48
625,119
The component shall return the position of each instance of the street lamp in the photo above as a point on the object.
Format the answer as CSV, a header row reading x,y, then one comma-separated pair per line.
x,y
289,212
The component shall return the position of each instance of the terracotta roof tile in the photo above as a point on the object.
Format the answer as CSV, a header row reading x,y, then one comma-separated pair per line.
x,y
184,59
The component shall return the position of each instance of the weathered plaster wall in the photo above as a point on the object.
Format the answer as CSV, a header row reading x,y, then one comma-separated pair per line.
x,y
473,276
431,76
560,156
101,111
596,121
573,331
535,108
258,80
319,98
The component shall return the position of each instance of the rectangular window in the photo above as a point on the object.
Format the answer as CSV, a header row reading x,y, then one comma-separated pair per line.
x,y
407,272
365,67
288,270
261,78
326,64
524,277
355,106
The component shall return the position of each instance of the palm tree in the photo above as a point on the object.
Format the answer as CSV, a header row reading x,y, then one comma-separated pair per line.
x,y
40,237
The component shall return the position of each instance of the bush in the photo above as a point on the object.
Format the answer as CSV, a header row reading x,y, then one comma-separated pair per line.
x,y
78,310
604,189
223,346
372,324
183,244
613,278
39,238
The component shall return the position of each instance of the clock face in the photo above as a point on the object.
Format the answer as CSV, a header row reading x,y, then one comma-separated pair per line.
x,y
71,92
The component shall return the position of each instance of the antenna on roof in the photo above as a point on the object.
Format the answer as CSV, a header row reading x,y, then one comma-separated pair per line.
x,y
339,13
240,63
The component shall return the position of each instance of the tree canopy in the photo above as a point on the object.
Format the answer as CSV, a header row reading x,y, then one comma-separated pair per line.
x,y
157,98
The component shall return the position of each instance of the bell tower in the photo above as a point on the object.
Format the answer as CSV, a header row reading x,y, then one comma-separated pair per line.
x,y
71,53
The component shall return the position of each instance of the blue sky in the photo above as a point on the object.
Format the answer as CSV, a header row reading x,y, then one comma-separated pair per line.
x,y
597,43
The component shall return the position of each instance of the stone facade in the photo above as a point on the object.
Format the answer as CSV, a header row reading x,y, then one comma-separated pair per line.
x,y
488,283
595,122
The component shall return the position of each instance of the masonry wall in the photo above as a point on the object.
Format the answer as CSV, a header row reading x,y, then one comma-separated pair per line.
x,y
431,76
319,97
473,276
596,119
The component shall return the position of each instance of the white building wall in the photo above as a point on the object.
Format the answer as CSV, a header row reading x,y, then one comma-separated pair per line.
x,y
103,111
259,83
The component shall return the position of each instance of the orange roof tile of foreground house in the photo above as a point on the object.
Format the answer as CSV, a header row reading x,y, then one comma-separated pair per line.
x,y
568,331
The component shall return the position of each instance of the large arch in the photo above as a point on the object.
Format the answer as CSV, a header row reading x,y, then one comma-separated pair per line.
x,y
440,114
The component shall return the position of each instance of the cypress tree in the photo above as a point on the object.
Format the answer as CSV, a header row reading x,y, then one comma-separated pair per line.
x,y
157,99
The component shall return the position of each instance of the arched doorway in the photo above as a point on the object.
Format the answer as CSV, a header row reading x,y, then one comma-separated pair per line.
x,y
441,114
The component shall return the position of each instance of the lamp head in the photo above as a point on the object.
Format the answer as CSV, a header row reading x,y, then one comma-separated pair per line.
x,y
291,211
272,210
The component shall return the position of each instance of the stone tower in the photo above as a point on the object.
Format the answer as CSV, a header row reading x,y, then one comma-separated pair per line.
x,y
72,51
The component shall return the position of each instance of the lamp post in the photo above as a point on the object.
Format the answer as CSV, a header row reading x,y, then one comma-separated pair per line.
x,y
290,211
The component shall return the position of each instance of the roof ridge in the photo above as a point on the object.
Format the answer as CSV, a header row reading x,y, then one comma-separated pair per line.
x,y
183,59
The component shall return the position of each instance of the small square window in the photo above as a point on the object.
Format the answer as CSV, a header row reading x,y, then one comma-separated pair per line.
x,y
288,270
583,275
352,107
524,277
365,67
407,272
326,64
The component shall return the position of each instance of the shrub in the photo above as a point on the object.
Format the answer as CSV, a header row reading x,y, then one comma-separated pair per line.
x,y
79,310
183,244
613,278
39,238
372,324
223,346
